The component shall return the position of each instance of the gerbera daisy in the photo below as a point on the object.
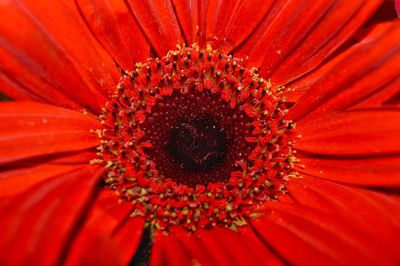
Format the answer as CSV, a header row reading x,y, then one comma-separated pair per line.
x,y
199,132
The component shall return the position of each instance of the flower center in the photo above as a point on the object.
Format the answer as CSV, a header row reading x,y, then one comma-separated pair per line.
x,y
196,139
197,144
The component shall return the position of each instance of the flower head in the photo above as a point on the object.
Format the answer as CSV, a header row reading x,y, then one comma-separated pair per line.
x,y
199,132
196,139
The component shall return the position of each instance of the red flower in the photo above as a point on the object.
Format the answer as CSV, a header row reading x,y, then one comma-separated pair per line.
x,y
236,132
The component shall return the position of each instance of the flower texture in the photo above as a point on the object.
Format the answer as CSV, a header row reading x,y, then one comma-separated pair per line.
x,y
246,132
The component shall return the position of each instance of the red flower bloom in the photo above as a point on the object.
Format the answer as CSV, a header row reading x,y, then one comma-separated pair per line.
x,y
199,132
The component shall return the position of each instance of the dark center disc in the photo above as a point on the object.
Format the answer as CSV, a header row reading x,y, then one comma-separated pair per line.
x,y
198,144
197,138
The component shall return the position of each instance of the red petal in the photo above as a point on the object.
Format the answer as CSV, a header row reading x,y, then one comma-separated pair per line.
x,y
368,68
397,6
112,24
296,36
370,132
217,246
376,172
108,235
17,91
47,48
159,23
354,206
168,251
227,247
24,175
305,236
384,96
33,129
37,224
24,85
192,15
223,20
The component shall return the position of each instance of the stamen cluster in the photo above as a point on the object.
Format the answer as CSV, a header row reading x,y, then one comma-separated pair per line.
x,y
164,202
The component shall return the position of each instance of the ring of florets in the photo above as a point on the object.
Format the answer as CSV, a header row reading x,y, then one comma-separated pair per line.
x,y
160,199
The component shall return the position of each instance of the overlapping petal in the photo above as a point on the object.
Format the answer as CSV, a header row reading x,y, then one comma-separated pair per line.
x,y
38,224
364,74
364,171
108,235
158,21
220,23
371,214
352,133
29,130
218,246
304,235
296,36
192,16
61,62
16,90
22,176
168,251
115,28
